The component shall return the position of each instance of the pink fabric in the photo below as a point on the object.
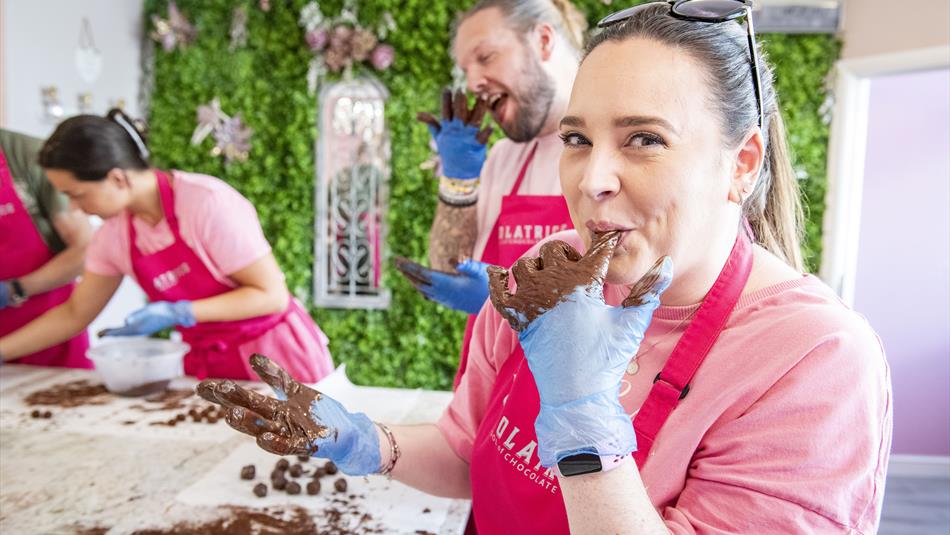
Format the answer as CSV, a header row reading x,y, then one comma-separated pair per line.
x,y
786,428
500,172
215,221
23,251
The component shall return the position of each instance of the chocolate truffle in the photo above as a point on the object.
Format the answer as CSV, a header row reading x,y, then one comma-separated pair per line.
x,y
247,472
279,483
330,468
340,485
313,488
47,414
282,464
296,470
303,458
293,487
35,414
260,490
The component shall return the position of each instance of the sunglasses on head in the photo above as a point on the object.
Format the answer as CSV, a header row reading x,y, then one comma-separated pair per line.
x,y
712,11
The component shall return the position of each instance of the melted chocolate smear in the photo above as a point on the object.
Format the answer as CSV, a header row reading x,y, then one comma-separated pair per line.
x,y
71,394
241,520
293,414
544,281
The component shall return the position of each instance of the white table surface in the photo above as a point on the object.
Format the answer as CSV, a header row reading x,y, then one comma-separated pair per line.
x,y
105,467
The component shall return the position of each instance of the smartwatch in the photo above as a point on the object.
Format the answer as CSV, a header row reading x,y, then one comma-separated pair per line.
x,y
17,294
587,463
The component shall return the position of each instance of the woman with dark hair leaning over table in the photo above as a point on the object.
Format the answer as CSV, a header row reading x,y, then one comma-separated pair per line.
x,y
604,395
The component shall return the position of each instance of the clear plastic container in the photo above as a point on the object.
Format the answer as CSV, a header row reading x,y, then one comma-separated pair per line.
x,y
138,366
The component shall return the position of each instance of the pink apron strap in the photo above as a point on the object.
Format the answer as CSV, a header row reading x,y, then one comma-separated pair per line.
x,y
524,170
672,383
167,196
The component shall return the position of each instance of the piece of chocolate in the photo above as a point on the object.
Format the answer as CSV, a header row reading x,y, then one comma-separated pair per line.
x,y
319,472
35,414
313,488
282,464
247,472
193,413
279,483
340,485
47,414
296,470
212,420
293,487
303,458
330,468
260,490
180,417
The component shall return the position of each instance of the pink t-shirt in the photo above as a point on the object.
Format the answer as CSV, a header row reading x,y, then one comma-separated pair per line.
x,y
786,428
214,220
500,173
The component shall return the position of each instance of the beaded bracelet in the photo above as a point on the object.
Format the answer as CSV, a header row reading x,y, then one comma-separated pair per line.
x,y
393,451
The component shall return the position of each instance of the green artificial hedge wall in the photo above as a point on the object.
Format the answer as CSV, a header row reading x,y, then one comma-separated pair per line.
x,y
414,343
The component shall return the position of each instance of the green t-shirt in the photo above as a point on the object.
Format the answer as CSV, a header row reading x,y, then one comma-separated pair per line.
x,y
40,198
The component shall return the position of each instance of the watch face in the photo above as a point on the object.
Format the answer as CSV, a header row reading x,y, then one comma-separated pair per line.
x,y
582,463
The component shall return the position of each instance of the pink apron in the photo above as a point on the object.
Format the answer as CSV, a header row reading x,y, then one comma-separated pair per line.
x,y
221,349
511,491
24,251
524,220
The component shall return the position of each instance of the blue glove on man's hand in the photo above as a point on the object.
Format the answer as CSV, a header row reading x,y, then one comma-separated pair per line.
x,y
457,135
154,317
576,345
4,294
466,290
301,421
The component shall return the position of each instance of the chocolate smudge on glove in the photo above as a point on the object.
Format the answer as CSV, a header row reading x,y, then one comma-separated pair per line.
x,y
546,280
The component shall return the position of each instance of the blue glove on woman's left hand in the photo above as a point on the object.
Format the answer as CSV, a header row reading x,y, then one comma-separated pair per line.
x,y
301,421
576,345
154,317
466,290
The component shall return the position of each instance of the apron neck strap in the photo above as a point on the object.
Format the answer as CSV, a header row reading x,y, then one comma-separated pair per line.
x,y
524,170
672,383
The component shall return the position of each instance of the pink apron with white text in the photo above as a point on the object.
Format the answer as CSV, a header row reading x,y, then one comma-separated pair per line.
x,y
511,491
523,221
221,349
23,251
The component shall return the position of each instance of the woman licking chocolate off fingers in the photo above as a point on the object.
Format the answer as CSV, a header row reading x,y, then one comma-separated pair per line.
x,y
606,394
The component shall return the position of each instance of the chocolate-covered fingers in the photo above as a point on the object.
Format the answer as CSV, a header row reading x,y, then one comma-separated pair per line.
x,y
230,394
250,423
599,254
460,107
653,283
283,445
430,121
478,112
279,380
483,134
556,252
501,297
417,274
447,104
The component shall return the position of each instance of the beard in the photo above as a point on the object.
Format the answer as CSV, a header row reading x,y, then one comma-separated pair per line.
x,y
534,97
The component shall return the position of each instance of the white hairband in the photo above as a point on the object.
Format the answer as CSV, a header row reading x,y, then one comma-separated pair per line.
x,y
120,120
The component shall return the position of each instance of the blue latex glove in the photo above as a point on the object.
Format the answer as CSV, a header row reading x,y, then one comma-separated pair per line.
x,y
301,421
578,350
462,156
4,295
154,317
466,290
457,135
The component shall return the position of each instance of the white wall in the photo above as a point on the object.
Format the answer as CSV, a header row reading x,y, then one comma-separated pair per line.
x,y
38,39
871,27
